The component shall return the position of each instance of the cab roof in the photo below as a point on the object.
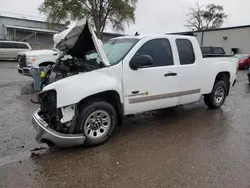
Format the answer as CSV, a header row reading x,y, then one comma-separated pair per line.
x,y
153,35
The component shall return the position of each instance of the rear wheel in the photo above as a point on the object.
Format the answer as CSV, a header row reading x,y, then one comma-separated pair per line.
x,y
218,95
97,122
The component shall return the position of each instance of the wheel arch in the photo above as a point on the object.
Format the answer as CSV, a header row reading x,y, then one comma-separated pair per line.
x,y
110,96
46,63
223,76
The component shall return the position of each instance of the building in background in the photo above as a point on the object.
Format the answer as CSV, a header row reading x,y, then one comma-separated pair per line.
x,y
232,39
34,30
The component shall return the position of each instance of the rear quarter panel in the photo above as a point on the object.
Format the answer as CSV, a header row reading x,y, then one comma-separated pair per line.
x,y
213,66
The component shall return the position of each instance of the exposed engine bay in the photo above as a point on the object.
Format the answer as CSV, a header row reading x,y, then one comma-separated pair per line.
x,y
57,118
68,66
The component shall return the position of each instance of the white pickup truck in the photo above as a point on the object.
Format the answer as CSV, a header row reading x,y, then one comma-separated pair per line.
x,y
31,60
128,75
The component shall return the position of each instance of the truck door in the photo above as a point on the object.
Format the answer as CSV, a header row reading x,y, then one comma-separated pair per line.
x,y
190,72
151,87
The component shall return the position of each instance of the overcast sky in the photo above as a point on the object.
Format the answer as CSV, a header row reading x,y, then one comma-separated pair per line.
x,y
152,16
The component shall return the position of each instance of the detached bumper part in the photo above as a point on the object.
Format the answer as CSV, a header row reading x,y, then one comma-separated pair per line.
x,y
45,133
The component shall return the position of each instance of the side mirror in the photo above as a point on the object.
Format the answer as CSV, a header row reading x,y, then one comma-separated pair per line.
x,y
141,61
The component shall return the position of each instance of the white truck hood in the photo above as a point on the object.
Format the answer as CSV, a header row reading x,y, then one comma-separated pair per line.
x,y
38,52
72,89
79,39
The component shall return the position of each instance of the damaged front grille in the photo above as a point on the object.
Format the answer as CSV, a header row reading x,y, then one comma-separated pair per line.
x,y
22,60
48,106
49,111
47,100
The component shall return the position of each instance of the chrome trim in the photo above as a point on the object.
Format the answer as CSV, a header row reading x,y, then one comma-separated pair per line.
x,y
163,96
45,133
22,70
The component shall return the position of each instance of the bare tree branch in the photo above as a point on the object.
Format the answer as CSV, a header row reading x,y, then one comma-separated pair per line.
x,y
202,17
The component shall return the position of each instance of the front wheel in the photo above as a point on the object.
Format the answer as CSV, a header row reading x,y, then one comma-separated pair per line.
x,y
97,122
218,95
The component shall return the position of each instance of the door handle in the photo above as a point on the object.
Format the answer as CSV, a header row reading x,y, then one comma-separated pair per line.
x,y
170,74
135,92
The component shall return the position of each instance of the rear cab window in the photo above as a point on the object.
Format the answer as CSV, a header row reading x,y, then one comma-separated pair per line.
x,y
206,50
218,50
185,51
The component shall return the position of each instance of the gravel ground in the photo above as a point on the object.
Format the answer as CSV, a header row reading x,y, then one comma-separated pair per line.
x,y
187,146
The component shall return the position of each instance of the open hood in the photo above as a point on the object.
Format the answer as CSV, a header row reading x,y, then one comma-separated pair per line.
x,y
79,39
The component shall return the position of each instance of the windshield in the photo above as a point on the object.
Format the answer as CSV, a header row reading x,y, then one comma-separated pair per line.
x,y
242,56
115,49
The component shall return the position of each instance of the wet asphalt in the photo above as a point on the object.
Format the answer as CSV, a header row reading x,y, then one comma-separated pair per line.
x,y
186,146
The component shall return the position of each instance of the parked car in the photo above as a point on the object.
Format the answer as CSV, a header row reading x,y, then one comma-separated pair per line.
x,y
126,75
212,50
10,49
244,61
33,60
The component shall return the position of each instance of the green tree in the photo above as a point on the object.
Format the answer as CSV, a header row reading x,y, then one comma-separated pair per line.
x,y
205,17
102,12
213,16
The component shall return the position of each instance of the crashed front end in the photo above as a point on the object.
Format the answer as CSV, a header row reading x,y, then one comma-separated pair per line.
x,y
52,124
55,123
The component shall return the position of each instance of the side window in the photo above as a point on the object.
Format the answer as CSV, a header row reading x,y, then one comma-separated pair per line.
x,y
8,45
186,51
159,50
22,46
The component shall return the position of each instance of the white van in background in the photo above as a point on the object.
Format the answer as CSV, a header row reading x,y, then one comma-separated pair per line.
x,y
10,49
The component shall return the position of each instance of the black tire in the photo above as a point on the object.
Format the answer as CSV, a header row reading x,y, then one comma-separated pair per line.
x,y
246,66
210,99
85,113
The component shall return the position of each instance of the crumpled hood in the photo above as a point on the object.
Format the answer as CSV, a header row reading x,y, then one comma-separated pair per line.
x,y
72,89
79,39
38,52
